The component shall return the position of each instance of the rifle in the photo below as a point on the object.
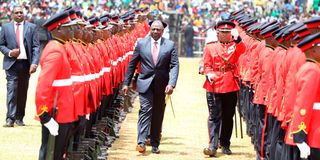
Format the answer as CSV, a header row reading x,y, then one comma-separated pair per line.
x,y
51,138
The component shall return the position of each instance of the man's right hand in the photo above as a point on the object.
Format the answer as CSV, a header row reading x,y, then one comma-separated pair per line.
x,y
52,126
14,53
124,90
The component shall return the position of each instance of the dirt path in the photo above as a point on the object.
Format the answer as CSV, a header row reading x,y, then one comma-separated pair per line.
x,y
185,136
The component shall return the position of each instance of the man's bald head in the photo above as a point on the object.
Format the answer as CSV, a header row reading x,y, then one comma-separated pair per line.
x,y
156,29
157,23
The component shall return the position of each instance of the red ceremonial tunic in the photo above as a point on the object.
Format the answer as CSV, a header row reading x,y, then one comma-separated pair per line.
x,y
306,111
222,61
55,76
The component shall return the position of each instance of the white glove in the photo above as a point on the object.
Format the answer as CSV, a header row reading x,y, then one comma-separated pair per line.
x,y
210,77
52,126
88,116
235,33
304,149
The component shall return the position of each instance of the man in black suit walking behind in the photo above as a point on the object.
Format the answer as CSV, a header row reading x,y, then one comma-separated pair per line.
x,y
158,76
20,45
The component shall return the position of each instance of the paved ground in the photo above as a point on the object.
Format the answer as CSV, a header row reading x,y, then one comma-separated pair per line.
x,y
184,137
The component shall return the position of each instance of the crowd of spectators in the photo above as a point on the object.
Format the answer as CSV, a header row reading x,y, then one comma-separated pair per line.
x,y
203,13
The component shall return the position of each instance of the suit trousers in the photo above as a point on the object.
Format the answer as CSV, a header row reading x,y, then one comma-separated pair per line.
x,y
61,141
151,113
221,111
17,87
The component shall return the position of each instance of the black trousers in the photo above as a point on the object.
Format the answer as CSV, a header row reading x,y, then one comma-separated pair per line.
x,y
275,135
260,112
61,141
268,134
151,113
17,87
221,111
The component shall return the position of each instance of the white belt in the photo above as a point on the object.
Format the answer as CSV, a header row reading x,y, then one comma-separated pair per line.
x,y
62,82
316,106
114,63
97,75
77,78
86,78
106,69
89,77
101,73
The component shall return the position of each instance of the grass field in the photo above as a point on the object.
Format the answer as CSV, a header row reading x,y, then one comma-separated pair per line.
x,y
184,136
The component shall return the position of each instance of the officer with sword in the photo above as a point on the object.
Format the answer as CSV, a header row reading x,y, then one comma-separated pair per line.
x,y
220,67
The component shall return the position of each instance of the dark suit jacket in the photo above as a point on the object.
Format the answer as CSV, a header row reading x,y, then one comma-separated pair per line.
x,y
8,42
167,63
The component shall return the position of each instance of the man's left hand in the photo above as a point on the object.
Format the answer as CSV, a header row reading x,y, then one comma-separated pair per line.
x,y
169,89
33,68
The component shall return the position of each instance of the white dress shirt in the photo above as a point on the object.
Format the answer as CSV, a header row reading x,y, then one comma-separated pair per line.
x,y
23,53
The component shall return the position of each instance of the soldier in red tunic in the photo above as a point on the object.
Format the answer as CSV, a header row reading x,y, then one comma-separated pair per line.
x,y
220,67
55,83
304,127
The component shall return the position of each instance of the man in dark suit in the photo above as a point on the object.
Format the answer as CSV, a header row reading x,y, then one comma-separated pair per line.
x,y
20,45
158,76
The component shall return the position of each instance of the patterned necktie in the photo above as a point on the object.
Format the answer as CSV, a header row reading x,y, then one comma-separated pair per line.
x,y
18,34
155,52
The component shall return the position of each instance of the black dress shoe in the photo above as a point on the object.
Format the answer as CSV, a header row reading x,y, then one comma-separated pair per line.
x,y
226,150
20,123
9,123
210,152
155,150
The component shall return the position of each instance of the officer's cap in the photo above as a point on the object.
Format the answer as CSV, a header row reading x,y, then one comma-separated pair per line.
x,y
137,10
267,32
279,32
309,42
249,23
224,26
94,21
265,25
115,18
74,17
106,15
302,31
104,21
313,22
290,31
57,20
79,14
